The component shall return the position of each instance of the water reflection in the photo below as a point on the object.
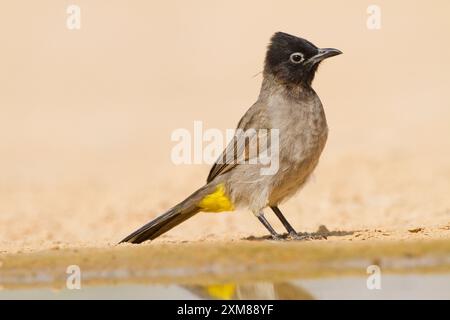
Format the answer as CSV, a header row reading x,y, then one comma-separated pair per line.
x,y
251,291
411,286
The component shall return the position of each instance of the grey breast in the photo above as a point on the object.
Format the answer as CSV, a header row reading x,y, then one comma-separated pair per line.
x,y
303,134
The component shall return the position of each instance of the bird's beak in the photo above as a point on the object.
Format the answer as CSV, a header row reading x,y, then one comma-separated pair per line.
x,y
324,54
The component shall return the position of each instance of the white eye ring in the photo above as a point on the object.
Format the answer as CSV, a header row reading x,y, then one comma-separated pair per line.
x,y
297,57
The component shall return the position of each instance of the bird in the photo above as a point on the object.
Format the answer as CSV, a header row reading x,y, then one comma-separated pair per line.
x,y
288,106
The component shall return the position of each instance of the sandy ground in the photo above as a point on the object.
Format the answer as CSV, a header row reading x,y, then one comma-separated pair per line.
x,y
86,120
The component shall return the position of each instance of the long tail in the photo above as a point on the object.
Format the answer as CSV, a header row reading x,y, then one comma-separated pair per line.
x,y
178,214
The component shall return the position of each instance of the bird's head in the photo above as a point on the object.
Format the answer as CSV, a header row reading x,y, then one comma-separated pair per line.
x,y
294,60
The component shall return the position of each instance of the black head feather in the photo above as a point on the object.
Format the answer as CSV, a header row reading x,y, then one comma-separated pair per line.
x,y
288,59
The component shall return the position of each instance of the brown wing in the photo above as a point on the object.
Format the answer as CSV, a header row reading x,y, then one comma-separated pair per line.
x,y
244,142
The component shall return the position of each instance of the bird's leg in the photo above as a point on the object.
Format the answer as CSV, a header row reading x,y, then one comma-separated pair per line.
x,y
266,224
284,221
292,233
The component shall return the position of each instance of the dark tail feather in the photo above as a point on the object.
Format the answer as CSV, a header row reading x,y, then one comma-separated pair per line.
x,y
160,225
170,219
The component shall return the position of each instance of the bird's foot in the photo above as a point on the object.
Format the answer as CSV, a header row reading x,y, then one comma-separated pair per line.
x,y
305,236
277,237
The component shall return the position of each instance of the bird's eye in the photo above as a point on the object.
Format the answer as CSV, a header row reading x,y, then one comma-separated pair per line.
x,y
296,57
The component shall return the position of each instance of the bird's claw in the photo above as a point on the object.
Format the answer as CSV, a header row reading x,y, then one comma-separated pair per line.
x,y
305,236
277,237
297,237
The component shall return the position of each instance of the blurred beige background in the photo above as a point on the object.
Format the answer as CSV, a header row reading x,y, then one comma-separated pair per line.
x,y
86,115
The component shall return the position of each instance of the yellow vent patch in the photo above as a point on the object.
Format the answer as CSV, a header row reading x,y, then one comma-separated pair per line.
x,y
217,201
222,291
